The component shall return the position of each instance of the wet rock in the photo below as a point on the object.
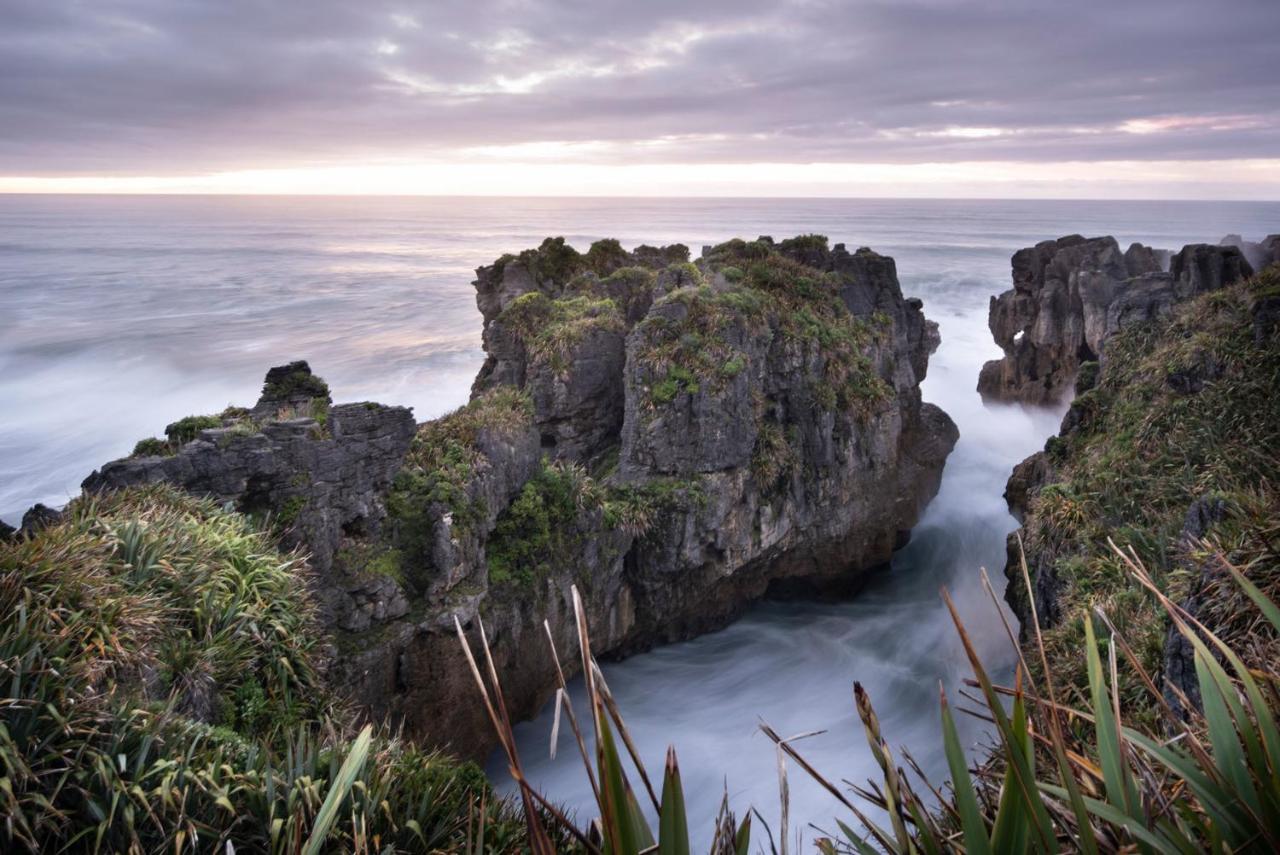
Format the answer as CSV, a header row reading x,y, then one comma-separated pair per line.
x,y
1027,478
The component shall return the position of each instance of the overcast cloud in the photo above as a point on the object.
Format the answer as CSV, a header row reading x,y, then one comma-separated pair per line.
x,y
172,86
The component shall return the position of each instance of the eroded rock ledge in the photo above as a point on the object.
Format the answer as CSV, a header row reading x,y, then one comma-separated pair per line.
x,y
1069,295
676,438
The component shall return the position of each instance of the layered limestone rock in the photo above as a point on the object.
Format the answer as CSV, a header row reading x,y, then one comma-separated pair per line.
x,y
676,439
1156,452
1069,295
318,479
1260,254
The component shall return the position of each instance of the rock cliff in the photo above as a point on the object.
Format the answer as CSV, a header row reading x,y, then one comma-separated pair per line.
x,y
1166,443
1069,295
675,438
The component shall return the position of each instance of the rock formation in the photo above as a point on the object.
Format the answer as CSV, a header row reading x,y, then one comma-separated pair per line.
x,y
676,439
317,473
1069,295
1157,450
1259,255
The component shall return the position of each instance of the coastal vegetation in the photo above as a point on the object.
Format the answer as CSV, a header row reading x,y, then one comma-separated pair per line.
x,y
1185,409
168,677
161,693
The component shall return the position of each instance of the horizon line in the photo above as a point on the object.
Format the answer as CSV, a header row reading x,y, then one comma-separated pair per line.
x,y
612,196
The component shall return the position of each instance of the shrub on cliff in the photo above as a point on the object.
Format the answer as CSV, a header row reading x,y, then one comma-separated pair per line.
x,y
160,693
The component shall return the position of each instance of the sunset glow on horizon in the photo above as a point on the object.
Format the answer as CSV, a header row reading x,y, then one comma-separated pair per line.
x,y
1226,179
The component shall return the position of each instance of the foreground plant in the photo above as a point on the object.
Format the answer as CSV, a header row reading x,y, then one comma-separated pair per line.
x,y
1083,780
1059,779
621,828
158,693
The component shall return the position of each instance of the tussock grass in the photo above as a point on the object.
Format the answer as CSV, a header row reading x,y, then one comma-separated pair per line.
x,y
1142,449
551,329
160,693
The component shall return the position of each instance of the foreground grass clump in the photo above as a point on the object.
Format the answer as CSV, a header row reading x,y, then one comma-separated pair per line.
x,y
159,693
1059,778
1185,408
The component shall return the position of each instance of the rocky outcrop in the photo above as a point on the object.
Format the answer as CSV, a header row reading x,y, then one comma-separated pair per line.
x,y
760,431
319,479
1156,452
1259,255
555,323
1069,295
674,439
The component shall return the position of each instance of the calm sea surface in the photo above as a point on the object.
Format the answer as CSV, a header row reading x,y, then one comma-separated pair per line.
x,y
121,314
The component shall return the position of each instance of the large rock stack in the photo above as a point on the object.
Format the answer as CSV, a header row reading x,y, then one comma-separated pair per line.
x,y
674,438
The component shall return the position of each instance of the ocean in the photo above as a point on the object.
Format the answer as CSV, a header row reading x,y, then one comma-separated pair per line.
x,y
121,314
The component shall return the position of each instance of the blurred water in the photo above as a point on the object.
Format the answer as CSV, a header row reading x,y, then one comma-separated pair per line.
x,y
119,314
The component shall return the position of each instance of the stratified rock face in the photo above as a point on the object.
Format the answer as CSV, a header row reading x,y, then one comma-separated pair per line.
x,y
318,479
555,323
1070,294
674,439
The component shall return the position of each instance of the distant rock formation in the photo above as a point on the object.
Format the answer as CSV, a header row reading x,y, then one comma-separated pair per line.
x,y
1259,255
1070,294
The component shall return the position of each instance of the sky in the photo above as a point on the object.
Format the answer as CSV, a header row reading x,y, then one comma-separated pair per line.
x,y
1122,98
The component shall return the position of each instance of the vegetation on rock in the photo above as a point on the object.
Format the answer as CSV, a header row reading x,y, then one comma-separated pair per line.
x,y
294,381
160,693
1184,408
550,329
539,532
441,461
763,294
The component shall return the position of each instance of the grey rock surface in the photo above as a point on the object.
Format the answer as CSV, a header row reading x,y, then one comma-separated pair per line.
x,y
755,479
1069,295
318,484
